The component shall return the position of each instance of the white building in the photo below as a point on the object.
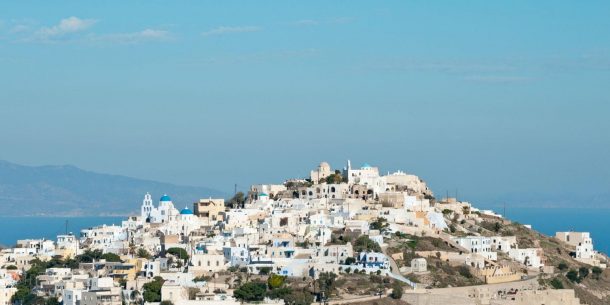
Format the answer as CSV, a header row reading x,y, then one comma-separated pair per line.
x,y
320,173
106,238
68,245
72,296
37,246
364,175
419,265
151,269
373,260
165,212
531,257
6,293
581,240
477,244
504,243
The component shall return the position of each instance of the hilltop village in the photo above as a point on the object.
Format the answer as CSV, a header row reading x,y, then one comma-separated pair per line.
x,y
338,236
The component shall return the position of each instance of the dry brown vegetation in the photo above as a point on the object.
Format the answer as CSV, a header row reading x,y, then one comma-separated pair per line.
x,y
382,301
362,284
592,290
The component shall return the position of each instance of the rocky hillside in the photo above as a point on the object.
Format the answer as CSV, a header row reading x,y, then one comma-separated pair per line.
x,y
591,284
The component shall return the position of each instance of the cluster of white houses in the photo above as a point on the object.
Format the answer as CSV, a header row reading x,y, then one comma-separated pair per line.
x,y
289,229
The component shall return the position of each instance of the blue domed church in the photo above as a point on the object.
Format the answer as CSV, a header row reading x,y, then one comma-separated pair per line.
x,y
165,212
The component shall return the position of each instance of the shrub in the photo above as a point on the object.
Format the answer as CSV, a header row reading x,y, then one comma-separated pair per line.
x,y
179,253
556,283
350,261
142,253
279,293
111,257
326,282
237,201
597,271
202,278
298,298
572,275
452,228
464,271
152,290
52,301
364,243
396,290
379,224
275,281
264,270
562,266
583,272
89,256
251,292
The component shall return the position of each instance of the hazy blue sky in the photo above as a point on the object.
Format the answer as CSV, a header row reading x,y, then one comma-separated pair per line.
x,y
488,97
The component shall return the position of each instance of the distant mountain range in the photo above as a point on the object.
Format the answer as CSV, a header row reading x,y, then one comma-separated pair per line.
x,y
68,190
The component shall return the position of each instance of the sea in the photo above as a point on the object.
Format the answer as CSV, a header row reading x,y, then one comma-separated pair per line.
x,y
545,220
15,228
551,220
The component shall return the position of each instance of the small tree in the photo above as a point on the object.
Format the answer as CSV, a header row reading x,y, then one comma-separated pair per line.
x,y
562,266
326,282
464,271
379,224
89,256
275,281
201,278
179,253
572,275
52,301
583,272
556,283
142,253
111,257
497,227
251,292
237,201
597,271
364,243
152,290
335,178
264,270
396,290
